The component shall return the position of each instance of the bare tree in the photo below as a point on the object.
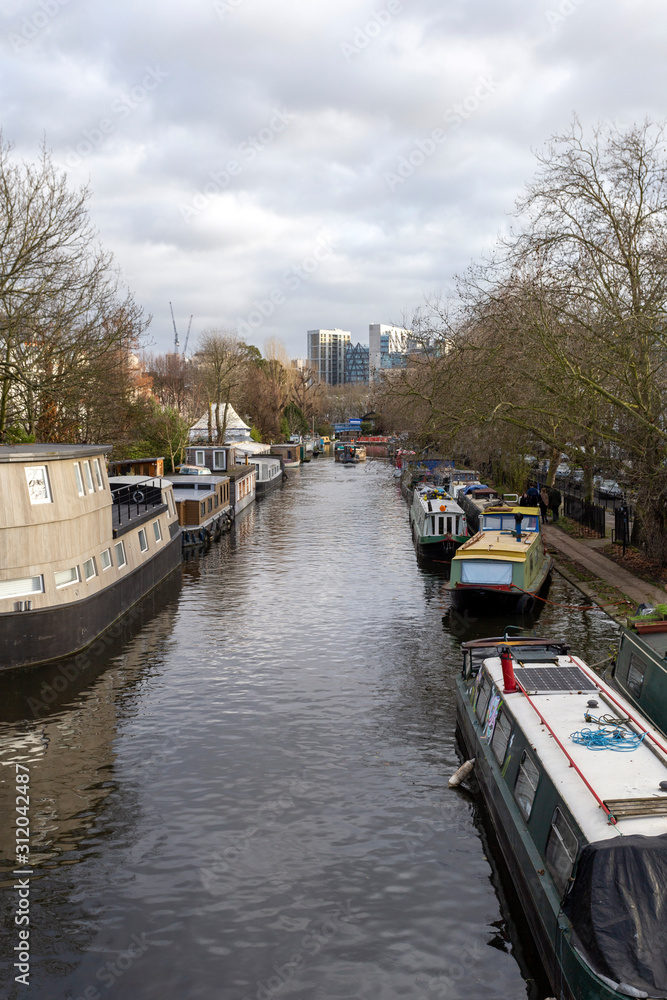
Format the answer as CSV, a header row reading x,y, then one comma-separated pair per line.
x,y
62,309
221,361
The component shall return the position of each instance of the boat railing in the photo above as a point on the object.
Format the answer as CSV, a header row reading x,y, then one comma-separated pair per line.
x,y
132,500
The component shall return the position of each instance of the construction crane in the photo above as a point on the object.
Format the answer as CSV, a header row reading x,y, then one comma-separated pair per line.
x,y
177,342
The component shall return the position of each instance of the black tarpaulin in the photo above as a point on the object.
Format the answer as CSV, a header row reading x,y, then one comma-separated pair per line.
x,y
617,906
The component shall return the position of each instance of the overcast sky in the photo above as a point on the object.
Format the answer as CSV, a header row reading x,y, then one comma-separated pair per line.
x,y
279,167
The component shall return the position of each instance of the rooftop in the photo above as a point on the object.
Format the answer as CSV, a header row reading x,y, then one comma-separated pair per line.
x,y
50,452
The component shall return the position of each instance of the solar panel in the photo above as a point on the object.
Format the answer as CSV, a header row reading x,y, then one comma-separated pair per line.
x,y
542,680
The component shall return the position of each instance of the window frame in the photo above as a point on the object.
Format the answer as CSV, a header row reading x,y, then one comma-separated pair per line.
x,y
120,546
35,500
92,562
157,531
142,533
199,461
98,473
525,807
88,476
501,718
637,665
22,592
78,475
69,583
106,552
555,837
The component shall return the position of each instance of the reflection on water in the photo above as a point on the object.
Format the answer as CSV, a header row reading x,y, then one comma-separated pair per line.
x,y
247,795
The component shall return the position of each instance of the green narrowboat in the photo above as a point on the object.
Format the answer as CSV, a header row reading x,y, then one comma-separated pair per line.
x,y
575,785
438,523
506,564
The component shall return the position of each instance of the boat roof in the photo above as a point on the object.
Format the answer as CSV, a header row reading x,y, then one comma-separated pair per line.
x,y
435,501
497,545
627,782
161,482
50,452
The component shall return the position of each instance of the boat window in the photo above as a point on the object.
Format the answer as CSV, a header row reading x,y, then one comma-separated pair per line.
x,y
21,587
199,458
210,503
170,501
98,473
483,696
449,525
526,783
157,531
89,569
65,577
39,488
202,508
441,525
481,571
636,672
501,736
561,850
219,460
105,559
120,554
79,480
143,541
89,476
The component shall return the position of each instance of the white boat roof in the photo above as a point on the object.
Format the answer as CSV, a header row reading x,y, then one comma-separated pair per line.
x,y
614,776
159,481
440,504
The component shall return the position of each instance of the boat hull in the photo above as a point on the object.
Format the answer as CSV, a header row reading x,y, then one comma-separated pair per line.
x,y
507,599
436,548
266,486
570,977
32,637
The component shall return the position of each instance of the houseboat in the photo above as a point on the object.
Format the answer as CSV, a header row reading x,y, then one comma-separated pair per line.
x,y
203,504
438,523
242,480
640,669
269,474
79,549
505,565
290,454
474,498
575,786
349,452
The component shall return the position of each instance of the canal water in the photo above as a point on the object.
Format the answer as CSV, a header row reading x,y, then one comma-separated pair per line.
x,y
242,793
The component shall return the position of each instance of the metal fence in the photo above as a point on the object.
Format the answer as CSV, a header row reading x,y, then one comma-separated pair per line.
x,y
589,515
132,500
623,517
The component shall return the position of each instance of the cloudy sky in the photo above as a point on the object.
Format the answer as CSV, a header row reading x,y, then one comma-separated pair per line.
x,y
279,167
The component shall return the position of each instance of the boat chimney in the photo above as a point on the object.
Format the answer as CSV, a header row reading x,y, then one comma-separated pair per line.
x,y
508,670
518,518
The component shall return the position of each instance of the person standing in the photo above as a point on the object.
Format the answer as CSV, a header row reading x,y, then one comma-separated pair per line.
x,y
544,503
554,502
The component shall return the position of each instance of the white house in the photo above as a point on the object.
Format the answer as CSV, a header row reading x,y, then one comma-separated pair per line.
x,y
237,429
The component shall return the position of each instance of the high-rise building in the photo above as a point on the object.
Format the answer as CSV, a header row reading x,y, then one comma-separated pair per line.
x,y
356,363
388,346
326,354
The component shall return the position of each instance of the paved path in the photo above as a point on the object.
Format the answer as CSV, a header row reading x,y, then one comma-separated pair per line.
x,y
584,553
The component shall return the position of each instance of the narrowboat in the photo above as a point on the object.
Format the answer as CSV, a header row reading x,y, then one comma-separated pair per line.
x,y
474,498
438,523
203,504
506,564
640,670
79,548
575,786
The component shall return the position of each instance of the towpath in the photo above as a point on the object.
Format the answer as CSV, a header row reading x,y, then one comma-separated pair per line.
x,y
584,552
